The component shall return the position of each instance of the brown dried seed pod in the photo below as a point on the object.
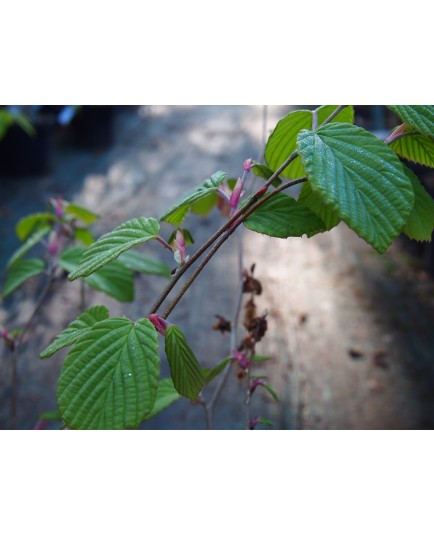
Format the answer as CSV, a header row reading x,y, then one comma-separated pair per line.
x,y
222,324
249,313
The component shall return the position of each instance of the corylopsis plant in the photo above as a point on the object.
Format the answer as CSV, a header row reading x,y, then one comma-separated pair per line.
x,y
111,376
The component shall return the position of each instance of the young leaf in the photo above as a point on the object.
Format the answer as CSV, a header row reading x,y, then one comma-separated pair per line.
x,y
179,210
213,373
114,279
420,223
84,235
76,329
111,245
266,422
145,265
270,390
281,216
261,358
166,395
28,244
109,379
205,205
311,200
283,140
81,213
416,148
20,272
421,118
361,178
32,223
184,368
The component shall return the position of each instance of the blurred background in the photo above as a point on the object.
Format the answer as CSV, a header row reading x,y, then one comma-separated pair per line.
x,y
350,333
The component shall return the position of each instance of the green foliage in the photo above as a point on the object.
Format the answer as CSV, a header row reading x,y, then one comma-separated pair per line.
x,y
31,241
114,279
185,370
166,396
416,148
418,117
361,178
76,329
313,201
111,245
143,264
20,272
83,214
32,223
109,379
282,216
177,213
283,140
420,224
218,369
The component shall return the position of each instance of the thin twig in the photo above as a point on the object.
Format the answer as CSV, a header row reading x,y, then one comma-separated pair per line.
x,y
224,236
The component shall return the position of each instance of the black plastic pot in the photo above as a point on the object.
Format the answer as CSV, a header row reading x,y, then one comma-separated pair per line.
x,y
92,127
23,154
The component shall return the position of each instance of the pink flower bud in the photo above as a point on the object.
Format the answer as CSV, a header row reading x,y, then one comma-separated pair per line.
x,y
159,323
59,208
54,244
247,165
241,358
255,383
179,249
236,194
253,423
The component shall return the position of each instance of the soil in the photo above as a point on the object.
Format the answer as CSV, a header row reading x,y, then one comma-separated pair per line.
x,y
350,333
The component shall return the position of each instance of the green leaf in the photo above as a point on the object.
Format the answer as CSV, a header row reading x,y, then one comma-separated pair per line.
x,y
421,118
420,224
50,416
179,210
266,422
145,265
111,245
83,214
84,235
76,329
184,367
114,279
205,205
416,148
214,372
311,200
271,391
361,178
283,140
109,379
32,223
20,272
28,244
281,216
166,395
261,358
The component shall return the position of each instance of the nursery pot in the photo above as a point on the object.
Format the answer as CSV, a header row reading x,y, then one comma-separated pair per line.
x,y
24,154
